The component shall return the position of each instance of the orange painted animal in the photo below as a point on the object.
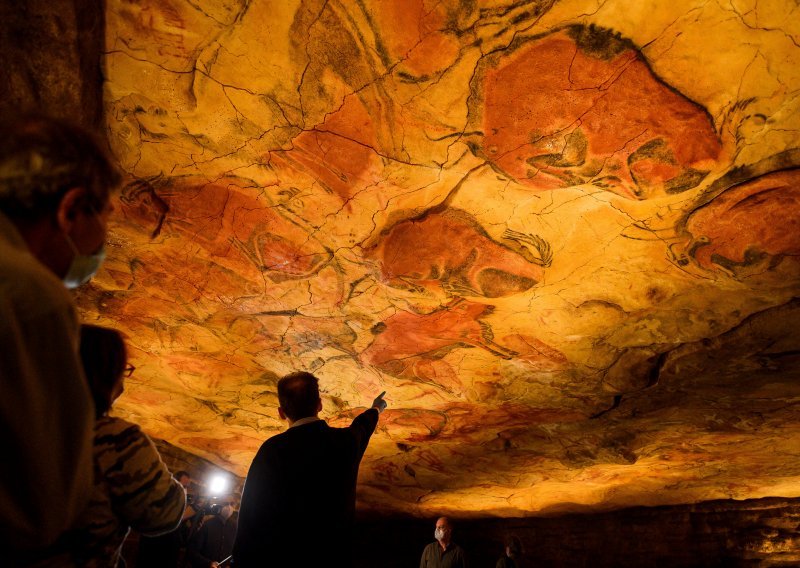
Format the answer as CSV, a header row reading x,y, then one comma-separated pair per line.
x,y
748,223
409,345
581,106
227,218
451,251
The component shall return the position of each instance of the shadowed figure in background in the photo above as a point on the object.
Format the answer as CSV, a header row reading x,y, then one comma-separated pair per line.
x,y
164,551
298,504
513,553
213,542
443,553
132,486
55,180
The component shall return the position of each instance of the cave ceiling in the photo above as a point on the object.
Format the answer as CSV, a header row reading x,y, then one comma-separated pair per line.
x,y
562,235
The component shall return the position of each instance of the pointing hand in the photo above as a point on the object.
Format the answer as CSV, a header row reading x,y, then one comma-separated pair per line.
x,y
379,403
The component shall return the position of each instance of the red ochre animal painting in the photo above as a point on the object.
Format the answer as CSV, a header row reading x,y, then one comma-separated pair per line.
x,y
412,345
581,106
451,251
225,218
748,224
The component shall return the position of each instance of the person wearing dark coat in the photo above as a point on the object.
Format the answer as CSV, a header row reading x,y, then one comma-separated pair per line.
x,y
513,553
298,504
443,553
213,542
165,551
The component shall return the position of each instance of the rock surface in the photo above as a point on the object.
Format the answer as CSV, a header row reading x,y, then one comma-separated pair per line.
x,y
563,237
761,532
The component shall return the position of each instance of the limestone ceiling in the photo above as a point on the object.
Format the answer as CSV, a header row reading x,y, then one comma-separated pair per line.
x,y
562,235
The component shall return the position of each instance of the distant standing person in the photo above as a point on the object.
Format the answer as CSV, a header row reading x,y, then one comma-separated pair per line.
x,y
164,551
132,486
513,553
55,182
443,553
298,504
213,543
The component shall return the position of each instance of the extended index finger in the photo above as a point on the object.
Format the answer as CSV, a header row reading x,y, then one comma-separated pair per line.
x,y
381,395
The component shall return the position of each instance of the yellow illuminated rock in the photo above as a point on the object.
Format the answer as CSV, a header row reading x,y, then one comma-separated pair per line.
x,y
562,235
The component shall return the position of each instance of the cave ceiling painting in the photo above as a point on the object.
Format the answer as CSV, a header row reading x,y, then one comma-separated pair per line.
x,y
562,235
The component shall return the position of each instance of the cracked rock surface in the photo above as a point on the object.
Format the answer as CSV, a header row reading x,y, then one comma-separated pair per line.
x,y
562,235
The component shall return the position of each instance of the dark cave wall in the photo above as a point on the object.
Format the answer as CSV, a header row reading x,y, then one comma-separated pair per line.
x,y
51,62
762,532
755,533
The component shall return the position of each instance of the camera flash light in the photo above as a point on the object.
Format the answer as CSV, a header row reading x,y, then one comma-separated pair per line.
x,y
217,485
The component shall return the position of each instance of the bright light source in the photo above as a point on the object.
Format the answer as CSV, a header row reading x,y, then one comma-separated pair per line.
x,y
218,485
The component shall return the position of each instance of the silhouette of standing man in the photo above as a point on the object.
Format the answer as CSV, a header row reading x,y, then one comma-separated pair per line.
x,y
298,504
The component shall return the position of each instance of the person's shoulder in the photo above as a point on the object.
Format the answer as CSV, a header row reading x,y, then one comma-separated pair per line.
x,y
274,443
290,440
117,440
113,425
31,285
276,439
114,435
431,549
114,430
458,549
307,430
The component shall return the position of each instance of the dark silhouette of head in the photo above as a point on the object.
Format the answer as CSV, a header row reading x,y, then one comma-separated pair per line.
x,y
298,395
513,546
104,358
183,478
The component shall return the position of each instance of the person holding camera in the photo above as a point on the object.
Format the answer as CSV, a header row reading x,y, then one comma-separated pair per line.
x,y
213,542
165,551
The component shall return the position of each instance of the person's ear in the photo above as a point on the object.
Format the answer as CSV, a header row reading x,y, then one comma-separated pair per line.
x,y
69,207
281,413
319,405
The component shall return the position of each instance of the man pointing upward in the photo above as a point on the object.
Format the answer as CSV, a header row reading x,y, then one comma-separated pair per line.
x,y
298,504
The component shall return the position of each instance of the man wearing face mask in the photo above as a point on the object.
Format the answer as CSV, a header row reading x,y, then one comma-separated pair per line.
x,y
213,543
443,553
54,205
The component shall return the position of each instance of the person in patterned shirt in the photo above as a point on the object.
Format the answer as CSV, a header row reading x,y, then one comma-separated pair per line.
x,y
133,487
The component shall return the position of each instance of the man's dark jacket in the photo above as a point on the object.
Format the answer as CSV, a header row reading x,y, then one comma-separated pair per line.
x,y
212,543
298,504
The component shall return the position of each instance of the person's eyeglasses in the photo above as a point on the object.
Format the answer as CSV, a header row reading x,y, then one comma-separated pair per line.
x,y
128,370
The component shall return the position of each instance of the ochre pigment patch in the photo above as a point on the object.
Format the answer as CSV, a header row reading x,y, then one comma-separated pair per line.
x,y
559,112
749,222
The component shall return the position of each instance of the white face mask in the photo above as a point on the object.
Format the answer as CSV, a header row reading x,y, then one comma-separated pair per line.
x,y
83,266
438,534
